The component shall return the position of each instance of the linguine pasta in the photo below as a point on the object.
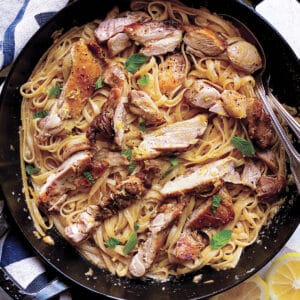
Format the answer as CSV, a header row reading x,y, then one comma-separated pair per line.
x,y
46,152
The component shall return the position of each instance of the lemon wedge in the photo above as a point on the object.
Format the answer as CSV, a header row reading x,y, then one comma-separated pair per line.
x,y
283,277
253,288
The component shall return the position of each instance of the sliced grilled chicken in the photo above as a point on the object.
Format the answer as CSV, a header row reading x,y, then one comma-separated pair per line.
x,y
114,76
117,44
269,188
244,56
102,126
81,82
157,37
59,182
111,27
189,245
198,178
143,106
251,174
268,157
83,225
259,124
175,137
171,73
148,251
201,94
204,216
235,103
203,40
120,121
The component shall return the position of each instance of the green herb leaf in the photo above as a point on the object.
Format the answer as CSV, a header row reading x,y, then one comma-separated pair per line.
x,y
32,169
131,167
127,153
89,177
136,227
132,241
144,80
55,90
244,146
134,62
174,161
216,202
220,239
40,114
112,242
98,83
142,124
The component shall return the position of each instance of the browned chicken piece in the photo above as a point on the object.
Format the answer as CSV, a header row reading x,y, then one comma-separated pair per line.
x,y
268,157
244,56
218,108
251,174
114,76
134,185
171,73
147,253
269,188
203,40
143,106
83,225
175,137
97,50
117,44
57,183
81,82
110,27
201,94
76,147
235,104
119,121
102,125
189,245
168,212
204,216
259,124
157,37
198,178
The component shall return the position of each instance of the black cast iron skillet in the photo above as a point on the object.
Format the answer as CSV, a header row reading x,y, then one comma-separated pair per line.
x,y
284,68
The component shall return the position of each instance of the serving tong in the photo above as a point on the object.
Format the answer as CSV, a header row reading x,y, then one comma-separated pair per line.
x,y
263,92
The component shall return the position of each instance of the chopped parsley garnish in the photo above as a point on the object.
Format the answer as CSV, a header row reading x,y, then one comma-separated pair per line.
x,y
142,124
54,91
112,242
244,146
136,227
144,80
40,114
131,167
174,161
220,239
134,62
127,153
30,170
216,202
132,241
99,83
89,177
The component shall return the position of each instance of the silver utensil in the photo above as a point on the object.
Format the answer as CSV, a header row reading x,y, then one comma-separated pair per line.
x,y
263,91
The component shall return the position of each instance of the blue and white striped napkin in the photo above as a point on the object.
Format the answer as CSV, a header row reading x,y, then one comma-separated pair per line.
x,y
19,20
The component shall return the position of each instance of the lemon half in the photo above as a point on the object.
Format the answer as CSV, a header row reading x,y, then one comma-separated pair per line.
x,y
283,277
